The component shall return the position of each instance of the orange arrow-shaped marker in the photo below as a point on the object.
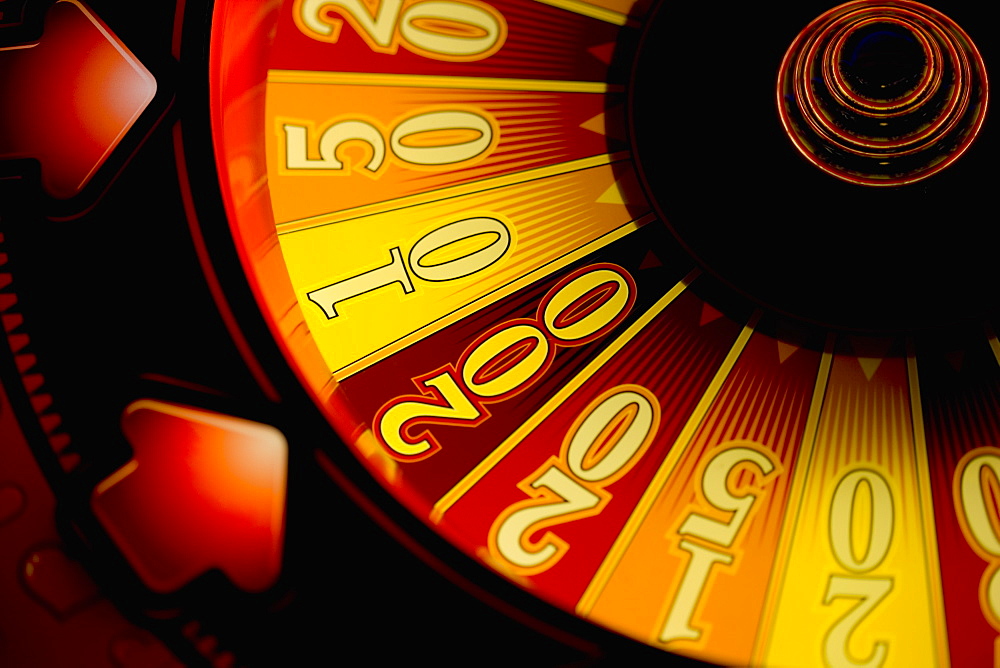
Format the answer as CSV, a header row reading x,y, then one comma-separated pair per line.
x,y
203,490
68,100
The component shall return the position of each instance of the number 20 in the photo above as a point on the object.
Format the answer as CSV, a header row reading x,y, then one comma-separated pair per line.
x,y
608,439
974,505
438,29
868,590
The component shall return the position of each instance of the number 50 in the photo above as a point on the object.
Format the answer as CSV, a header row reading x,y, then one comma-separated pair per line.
x,y
439,29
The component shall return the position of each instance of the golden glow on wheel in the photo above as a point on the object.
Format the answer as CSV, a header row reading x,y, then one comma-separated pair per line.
x,y
486,304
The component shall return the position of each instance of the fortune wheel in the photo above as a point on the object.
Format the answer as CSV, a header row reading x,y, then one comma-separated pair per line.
x,y
543,332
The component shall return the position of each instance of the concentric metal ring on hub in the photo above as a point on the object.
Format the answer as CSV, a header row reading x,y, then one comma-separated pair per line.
x,y
882,93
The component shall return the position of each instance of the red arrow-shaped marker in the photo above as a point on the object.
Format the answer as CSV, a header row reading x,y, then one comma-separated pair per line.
x,y
202,491
68,100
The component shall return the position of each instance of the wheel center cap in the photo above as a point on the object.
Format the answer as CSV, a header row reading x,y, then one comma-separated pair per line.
x,y
882,93
870,231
